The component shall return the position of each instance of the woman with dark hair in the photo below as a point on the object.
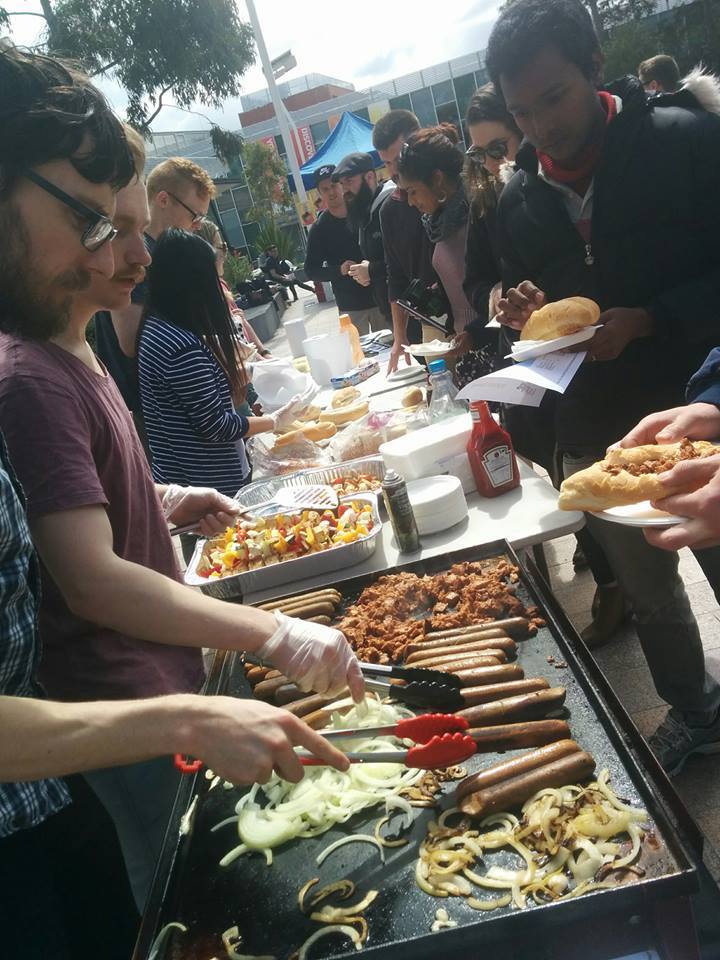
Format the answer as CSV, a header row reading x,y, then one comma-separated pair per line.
x,y
430,171
189,372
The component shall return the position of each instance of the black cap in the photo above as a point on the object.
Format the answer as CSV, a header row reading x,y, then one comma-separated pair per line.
x,y
323,172
352,164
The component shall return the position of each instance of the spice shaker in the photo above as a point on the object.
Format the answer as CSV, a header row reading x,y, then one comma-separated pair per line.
x,y
400,511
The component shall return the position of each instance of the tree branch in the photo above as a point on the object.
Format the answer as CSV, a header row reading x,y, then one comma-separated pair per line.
x,y
105,68
24,13
159,107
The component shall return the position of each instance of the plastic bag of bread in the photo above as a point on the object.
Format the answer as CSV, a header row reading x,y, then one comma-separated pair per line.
x,y
364,437
272,459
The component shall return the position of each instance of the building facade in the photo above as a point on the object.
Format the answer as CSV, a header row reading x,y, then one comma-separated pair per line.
x,y
436,94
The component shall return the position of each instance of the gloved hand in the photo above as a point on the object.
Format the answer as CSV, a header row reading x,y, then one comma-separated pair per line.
x,y
314,657
213,511
288,414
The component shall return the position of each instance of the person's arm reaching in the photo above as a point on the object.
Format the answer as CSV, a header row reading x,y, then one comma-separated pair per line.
x,y
400,337
76,546
242,741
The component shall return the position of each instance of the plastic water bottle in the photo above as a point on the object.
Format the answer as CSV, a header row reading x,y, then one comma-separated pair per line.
x,y
443,403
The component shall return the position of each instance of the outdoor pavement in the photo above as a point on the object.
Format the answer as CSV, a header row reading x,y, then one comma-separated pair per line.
x,y
622,660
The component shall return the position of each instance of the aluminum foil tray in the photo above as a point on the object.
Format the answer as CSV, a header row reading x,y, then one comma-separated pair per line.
x,y
236,585
262,490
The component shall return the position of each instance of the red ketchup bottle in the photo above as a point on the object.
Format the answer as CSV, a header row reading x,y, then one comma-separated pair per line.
x,y
491,453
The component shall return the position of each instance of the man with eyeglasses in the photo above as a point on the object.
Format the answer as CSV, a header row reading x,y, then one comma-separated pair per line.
x,y
179,194
122,637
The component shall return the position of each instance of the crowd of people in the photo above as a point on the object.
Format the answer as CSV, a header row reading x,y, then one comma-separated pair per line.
x,y
569,186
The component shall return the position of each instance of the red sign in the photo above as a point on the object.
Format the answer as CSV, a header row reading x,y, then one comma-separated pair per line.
x,y
307,143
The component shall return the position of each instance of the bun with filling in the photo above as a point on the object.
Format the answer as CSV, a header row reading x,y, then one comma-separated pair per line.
x,y
561,318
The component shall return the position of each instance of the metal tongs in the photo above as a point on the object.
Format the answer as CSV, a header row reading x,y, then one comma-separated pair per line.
x,y
422,688
441,742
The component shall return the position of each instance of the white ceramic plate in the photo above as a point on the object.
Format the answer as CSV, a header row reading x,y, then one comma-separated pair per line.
x,y
405,373
530,349
435,348
639,515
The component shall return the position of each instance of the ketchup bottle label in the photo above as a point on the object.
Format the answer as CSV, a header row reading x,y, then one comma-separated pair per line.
x,y
498,464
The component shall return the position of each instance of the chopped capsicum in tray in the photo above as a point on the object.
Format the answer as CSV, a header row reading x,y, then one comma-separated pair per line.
x,y
259,542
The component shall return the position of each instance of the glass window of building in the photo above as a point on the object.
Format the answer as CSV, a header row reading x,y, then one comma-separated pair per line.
x,y
320,132
243,200
481,78
232,228
280,146
362,112
225,200
400,103
447,113
423,107
464,89
443,92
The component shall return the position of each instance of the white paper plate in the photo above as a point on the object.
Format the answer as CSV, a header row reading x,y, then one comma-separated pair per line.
x,y
435,348
529,349
639,515
405,373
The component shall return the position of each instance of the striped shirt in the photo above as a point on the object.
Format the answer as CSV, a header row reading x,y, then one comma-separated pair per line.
x,y
195,436
22,805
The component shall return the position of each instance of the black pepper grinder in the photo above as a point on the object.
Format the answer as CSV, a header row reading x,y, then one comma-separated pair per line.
x,y
400,511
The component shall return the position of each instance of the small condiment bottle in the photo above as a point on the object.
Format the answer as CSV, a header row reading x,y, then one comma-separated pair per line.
x,y
348,327
400,512
490,452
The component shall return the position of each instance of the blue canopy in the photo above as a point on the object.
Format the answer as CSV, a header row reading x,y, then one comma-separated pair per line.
x,y
352,134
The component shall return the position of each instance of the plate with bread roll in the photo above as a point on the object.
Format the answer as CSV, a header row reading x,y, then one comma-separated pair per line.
x,y
621,487
556,326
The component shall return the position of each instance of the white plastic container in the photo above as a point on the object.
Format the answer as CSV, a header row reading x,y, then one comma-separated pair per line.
x,y
276,382
418,453
438,503
296,333
329,355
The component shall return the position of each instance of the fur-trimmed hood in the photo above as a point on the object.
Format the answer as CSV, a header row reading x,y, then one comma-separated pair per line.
x,y
704,86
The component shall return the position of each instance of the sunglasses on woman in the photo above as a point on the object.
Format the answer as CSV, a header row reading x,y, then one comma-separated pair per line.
x,y
496,150
99,229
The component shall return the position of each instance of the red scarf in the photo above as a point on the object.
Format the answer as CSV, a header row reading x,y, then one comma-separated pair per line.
x,y
584,166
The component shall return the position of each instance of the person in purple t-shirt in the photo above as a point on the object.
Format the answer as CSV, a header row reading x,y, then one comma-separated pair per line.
x,y
114,620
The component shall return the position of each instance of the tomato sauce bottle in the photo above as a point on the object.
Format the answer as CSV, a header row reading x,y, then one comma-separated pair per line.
x,y
491,453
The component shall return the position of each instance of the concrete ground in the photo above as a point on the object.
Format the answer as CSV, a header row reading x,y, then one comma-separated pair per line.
x,y
622,660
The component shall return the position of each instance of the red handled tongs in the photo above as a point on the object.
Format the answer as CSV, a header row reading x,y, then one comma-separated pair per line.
x,y
442,744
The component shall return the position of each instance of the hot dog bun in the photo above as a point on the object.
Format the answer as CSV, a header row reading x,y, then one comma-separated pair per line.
x,y
560,318
344,397
353,411
609,484
310,431
412,397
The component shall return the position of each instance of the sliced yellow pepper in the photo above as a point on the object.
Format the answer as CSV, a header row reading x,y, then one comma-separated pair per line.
x,y
280,544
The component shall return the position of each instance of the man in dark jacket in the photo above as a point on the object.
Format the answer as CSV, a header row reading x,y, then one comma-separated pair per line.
x,y
616,199
408,249
364,198
332,249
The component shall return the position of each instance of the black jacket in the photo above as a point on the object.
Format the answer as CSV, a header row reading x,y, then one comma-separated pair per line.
x,y
330,244
408,249
371,247
656,211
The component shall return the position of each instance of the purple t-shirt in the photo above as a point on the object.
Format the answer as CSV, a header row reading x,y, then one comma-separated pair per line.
x,y
72,443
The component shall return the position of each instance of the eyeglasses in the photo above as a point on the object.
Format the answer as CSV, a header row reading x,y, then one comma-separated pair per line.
x,y
496,149
100,228
196,217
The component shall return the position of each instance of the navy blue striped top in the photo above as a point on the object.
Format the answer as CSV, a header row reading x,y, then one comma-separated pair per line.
x,y
195,436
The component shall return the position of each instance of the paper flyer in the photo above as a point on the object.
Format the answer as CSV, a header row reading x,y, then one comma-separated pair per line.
x,y
525,383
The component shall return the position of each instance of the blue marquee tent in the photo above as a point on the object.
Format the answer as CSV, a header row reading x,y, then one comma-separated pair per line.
x,y
352,134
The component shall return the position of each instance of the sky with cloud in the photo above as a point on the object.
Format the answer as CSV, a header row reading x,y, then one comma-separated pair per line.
x,y
364,44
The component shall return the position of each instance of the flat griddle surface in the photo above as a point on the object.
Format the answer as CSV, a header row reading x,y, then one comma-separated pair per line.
x,y
262,900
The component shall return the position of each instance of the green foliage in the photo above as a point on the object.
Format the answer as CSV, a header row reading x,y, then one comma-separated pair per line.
x,y
227,146
267,178
196,49
628,46
271,235
237,269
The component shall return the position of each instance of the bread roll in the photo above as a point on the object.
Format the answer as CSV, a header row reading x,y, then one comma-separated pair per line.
x,y
310,431
629,476
312,413
345,414
561,318
344,397
412,397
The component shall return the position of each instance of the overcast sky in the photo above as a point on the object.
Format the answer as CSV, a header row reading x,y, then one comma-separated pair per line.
x,y
363,44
